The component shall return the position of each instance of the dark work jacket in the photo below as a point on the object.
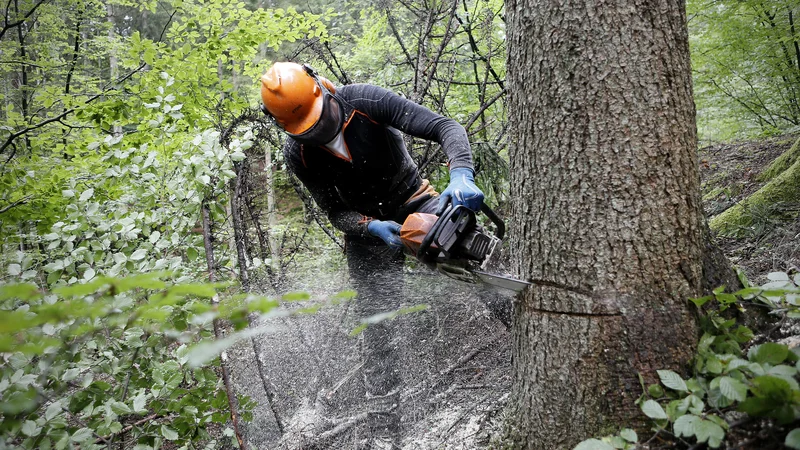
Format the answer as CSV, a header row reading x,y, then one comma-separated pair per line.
x,y
379,175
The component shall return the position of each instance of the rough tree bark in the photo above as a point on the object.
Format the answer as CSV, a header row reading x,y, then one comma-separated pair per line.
x,y
606,215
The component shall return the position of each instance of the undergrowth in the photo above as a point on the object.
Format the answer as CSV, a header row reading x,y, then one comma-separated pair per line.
x,y
734,381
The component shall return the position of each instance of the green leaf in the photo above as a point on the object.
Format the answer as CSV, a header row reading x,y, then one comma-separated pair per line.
x,y
29,428
717,400
701,300
616,442
672,380
684,426
653,410
53,410
345,295
743,334
713,365
81,290
593,444
694,404
14,269
82,435
655,390
708,431
142,281
295,296
756,406
694,386
733,389
726,299
138,255
629,435
793,439
778,276
120,408
783,371
770,352
22,291
771,387
169,433
140,403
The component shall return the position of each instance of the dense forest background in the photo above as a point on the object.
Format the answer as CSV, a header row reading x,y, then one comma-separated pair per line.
x,y
145,207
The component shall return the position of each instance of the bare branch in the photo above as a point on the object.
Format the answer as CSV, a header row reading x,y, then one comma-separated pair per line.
x,y
21,201
483,108
104,91
7,26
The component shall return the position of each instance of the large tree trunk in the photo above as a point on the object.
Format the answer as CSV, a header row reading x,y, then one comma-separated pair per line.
x,y
607,221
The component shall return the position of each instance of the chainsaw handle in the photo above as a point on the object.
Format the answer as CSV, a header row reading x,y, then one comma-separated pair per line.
x,y
501,226
422,252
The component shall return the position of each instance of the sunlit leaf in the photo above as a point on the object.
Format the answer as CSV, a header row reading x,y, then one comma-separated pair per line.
x,y
653,410
672,380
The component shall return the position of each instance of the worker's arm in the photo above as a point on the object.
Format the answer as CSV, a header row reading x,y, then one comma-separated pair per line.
x,y
383,106
386,107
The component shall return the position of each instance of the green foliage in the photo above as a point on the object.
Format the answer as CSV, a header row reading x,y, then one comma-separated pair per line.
x,y
761,382
138,214
746,66
50,135
109,152
112,358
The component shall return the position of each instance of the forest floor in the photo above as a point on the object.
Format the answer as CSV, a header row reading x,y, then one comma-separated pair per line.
x,y
729,173
454,356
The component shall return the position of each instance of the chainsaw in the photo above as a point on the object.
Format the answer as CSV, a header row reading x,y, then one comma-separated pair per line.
x,y
457,246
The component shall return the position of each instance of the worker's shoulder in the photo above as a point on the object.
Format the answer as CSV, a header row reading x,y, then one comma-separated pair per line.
x,y
363,92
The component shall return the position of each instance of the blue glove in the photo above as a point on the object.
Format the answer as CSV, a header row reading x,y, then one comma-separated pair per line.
x,y
388,230
461,191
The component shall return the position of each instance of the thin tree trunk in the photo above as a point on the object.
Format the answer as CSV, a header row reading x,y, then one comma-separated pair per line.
x,y
113,69
23,82
233,403
238,237
272,218
606,214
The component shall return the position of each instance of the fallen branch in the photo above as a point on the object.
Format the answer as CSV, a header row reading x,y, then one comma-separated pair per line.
x,y
130,427
341,428
424,385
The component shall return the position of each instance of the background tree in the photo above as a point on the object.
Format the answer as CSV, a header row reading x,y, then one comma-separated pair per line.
x,y
607,221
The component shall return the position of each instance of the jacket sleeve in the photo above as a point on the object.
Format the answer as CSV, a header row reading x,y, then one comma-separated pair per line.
x,y
324,193
388,108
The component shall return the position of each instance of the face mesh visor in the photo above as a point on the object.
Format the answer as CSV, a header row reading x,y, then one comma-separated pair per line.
x,y
328,125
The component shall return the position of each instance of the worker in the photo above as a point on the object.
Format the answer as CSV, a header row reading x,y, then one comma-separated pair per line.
x,y
345,145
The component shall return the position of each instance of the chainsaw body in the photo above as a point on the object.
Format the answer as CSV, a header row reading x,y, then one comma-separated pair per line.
x,y
456,245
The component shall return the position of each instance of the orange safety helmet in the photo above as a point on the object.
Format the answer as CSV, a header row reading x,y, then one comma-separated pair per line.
x,y
291,93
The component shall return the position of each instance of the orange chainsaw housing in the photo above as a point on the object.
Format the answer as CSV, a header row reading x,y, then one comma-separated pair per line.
x,y
414,229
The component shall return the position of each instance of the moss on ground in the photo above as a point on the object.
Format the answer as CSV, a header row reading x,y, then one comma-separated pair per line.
x,y
783,188
781,163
